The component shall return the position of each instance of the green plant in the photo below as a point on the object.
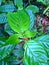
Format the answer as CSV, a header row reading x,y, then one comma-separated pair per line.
x,y
21,22
37,48
45,2
45,11
35,51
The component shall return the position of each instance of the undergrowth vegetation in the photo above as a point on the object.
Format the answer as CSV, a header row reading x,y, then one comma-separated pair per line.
x,y
24,32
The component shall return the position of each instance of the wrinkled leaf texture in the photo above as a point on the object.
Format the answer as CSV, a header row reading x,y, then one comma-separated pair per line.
x,y
19,21
37,52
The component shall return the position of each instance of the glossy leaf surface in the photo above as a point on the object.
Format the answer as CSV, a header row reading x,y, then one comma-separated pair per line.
x,y
19,21
37,53
29,34
13,39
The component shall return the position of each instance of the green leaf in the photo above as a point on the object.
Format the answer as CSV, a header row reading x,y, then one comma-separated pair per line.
x,y
29,34
18,51
33,8
44,40
17,55
1,33
8,29
19,21
46,11
7,8
13,39
13,59
3,18
3,39
45,2
19,4
0,2
32,18
34,54
5,50
3,0
4,62
7,47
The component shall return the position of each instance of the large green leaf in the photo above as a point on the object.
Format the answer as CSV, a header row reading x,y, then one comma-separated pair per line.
x,y
44,40
34,54
19,21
